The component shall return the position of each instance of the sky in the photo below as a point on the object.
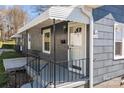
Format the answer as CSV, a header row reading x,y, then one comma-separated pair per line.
x,y
30,10
27,8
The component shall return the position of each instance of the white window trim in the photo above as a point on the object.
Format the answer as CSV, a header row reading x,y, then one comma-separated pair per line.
x,y
29,41
43,47
117,57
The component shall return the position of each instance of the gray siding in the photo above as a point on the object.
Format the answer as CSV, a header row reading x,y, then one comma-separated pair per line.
x,y
105,67
36,39
61,49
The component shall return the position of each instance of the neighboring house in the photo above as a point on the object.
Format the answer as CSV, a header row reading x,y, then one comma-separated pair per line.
x,y
75,44
18,40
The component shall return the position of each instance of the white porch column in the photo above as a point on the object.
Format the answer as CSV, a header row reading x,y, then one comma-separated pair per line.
x,y
91,54
88,12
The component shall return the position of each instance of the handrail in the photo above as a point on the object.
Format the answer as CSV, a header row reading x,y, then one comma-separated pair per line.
x,y
33,55
43,67
31,60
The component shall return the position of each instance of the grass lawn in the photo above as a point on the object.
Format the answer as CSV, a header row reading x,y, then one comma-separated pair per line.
x,y
3,75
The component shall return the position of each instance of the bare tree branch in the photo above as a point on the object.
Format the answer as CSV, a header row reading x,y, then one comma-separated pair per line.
x,y
16,18
41,8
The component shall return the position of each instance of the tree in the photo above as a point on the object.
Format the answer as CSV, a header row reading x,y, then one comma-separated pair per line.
x,y
16,18
40,8
2,22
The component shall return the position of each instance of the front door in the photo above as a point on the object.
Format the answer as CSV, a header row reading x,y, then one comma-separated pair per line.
x,y
77,47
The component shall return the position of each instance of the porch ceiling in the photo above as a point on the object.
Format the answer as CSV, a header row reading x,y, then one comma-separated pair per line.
x,y
59,13
46,23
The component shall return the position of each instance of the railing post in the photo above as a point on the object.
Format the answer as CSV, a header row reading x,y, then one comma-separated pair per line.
x,y
50,71
15,79
54,53
54,75
36,67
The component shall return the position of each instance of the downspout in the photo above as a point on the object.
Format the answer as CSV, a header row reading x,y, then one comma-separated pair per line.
x,y
89,15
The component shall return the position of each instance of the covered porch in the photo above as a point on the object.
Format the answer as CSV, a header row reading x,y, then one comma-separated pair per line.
x,y
64,54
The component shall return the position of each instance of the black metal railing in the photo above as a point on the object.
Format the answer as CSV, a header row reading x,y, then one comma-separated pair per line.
x,y
51,74
42,74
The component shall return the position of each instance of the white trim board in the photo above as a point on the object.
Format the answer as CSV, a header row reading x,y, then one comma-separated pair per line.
x,y
43,47
72,84
116,57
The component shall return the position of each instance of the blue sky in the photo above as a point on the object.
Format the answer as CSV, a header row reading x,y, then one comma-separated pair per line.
x,y
30,10
27,8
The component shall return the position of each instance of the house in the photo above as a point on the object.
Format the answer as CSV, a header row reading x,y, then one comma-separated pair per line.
x,y
76,45
18,40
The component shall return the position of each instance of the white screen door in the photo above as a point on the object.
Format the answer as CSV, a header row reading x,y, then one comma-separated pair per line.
x,y
77,47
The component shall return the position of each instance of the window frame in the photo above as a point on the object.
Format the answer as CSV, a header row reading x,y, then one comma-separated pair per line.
x,y
43,45
117,57
29,41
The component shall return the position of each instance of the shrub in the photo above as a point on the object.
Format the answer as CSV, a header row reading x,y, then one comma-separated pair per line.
x,y
3,79
8,46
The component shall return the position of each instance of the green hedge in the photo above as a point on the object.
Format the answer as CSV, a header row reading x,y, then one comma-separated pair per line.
x,y
3,80
8,46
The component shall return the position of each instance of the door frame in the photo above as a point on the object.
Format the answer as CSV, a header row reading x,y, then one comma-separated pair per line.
x,y
68,41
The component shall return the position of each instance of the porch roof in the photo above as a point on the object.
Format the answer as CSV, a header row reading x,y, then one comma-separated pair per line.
x,y
16,36
59,13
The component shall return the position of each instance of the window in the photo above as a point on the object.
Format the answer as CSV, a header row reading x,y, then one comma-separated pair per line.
x,y
119,41
46,41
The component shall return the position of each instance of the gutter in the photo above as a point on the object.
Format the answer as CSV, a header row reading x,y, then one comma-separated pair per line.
x,y
89,15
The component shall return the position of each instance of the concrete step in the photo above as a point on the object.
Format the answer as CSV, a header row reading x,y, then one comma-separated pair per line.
x,y
74,84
